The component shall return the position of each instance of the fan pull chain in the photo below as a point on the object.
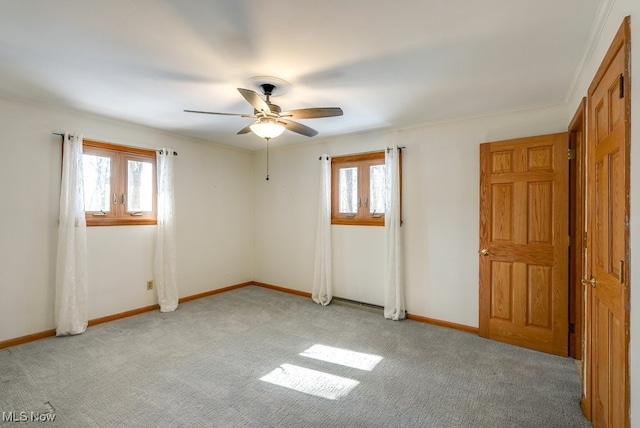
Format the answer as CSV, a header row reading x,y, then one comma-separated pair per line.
x,y
267,158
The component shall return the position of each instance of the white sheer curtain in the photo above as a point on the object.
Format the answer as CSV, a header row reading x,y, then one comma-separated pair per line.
x,y
71,264
165,257
394,304
322,282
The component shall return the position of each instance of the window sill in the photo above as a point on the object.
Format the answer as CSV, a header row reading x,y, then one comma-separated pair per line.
x,y
358,222
91,222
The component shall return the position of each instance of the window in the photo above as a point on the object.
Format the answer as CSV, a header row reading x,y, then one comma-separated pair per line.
x,y
119,184
358,189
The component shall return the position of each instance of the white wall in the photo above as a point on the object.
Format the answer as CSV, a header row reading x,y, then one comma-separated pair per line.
x,y
214,208
440,213
612,21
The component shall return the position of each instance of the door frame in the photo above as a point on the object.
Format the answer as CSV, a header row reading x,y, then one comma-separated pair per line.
x,y
577,230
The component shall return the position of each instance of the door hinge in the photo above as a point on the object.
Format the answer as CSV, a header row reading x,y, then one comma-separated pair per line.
x,y
621,85
572,327
571,154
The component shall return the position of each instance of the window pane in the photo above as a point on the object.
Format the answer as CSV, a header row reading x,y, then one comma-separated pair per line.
x,y
376,189
97,182
139,186
348,190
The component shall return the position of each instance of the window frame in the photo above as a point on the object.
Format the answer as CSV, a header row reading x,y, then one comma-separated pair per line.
x,y
363,162
120,155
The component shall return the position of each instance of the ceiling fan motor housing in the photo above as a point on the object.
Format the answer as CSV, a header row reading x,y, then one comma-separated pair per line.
x,y
267,89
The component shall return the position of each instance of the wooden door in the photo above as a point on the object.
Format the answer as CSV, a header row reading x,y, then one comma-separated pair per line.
x,y
523,241
608,214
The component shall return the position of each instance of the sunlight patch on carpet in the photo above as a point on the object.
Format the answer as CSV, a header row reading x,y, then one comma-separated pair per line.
x,y
344,357
310,382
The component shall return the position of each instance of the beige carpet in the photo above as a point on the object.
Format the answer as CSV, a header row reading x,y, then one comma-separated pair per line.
x,y
254,357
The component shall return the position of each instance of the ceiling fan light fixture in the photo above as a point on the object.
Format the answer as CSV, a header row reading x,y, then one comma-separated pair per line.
x,y
267,128
270,120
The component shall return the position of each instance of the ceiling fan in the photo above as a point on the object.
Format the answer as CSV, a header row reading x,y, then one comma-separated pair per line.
x,y
271,121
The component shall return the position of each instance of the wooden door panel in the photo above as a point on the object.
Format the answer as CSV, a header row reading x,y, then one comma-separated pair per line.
x,y
539,296
602,321
502,161
616,212
518,328
609,401
540,213
600,122
502,213
501,290
614,102
618,372
524,227
600,208
540,158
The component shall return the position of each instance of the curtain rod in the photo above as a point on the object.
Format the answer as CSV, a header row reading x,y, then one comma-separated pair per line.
x,y
399,148
174,152
62,135
57,133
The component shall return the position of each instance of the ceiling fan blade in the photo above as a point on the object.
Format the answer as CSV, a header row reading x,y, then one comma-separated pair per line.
x,y
255,100
224,114
298,127
245,130
312,113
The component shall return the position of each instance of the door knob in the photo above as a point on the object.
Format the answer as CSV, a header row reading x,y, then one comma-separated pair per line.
x,y
485,252
591,282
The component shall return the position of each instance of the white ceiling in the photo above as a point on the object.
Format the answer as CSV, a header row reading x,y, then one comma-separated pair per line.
x,y
388,64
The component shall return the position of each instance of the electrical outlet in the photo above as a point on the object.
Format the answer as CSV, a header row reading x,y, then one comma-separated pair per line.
x,y
149,285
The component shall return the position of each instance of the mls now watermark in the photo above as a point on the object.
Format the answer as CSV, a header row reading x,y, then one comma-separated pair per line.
x,y
28,417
